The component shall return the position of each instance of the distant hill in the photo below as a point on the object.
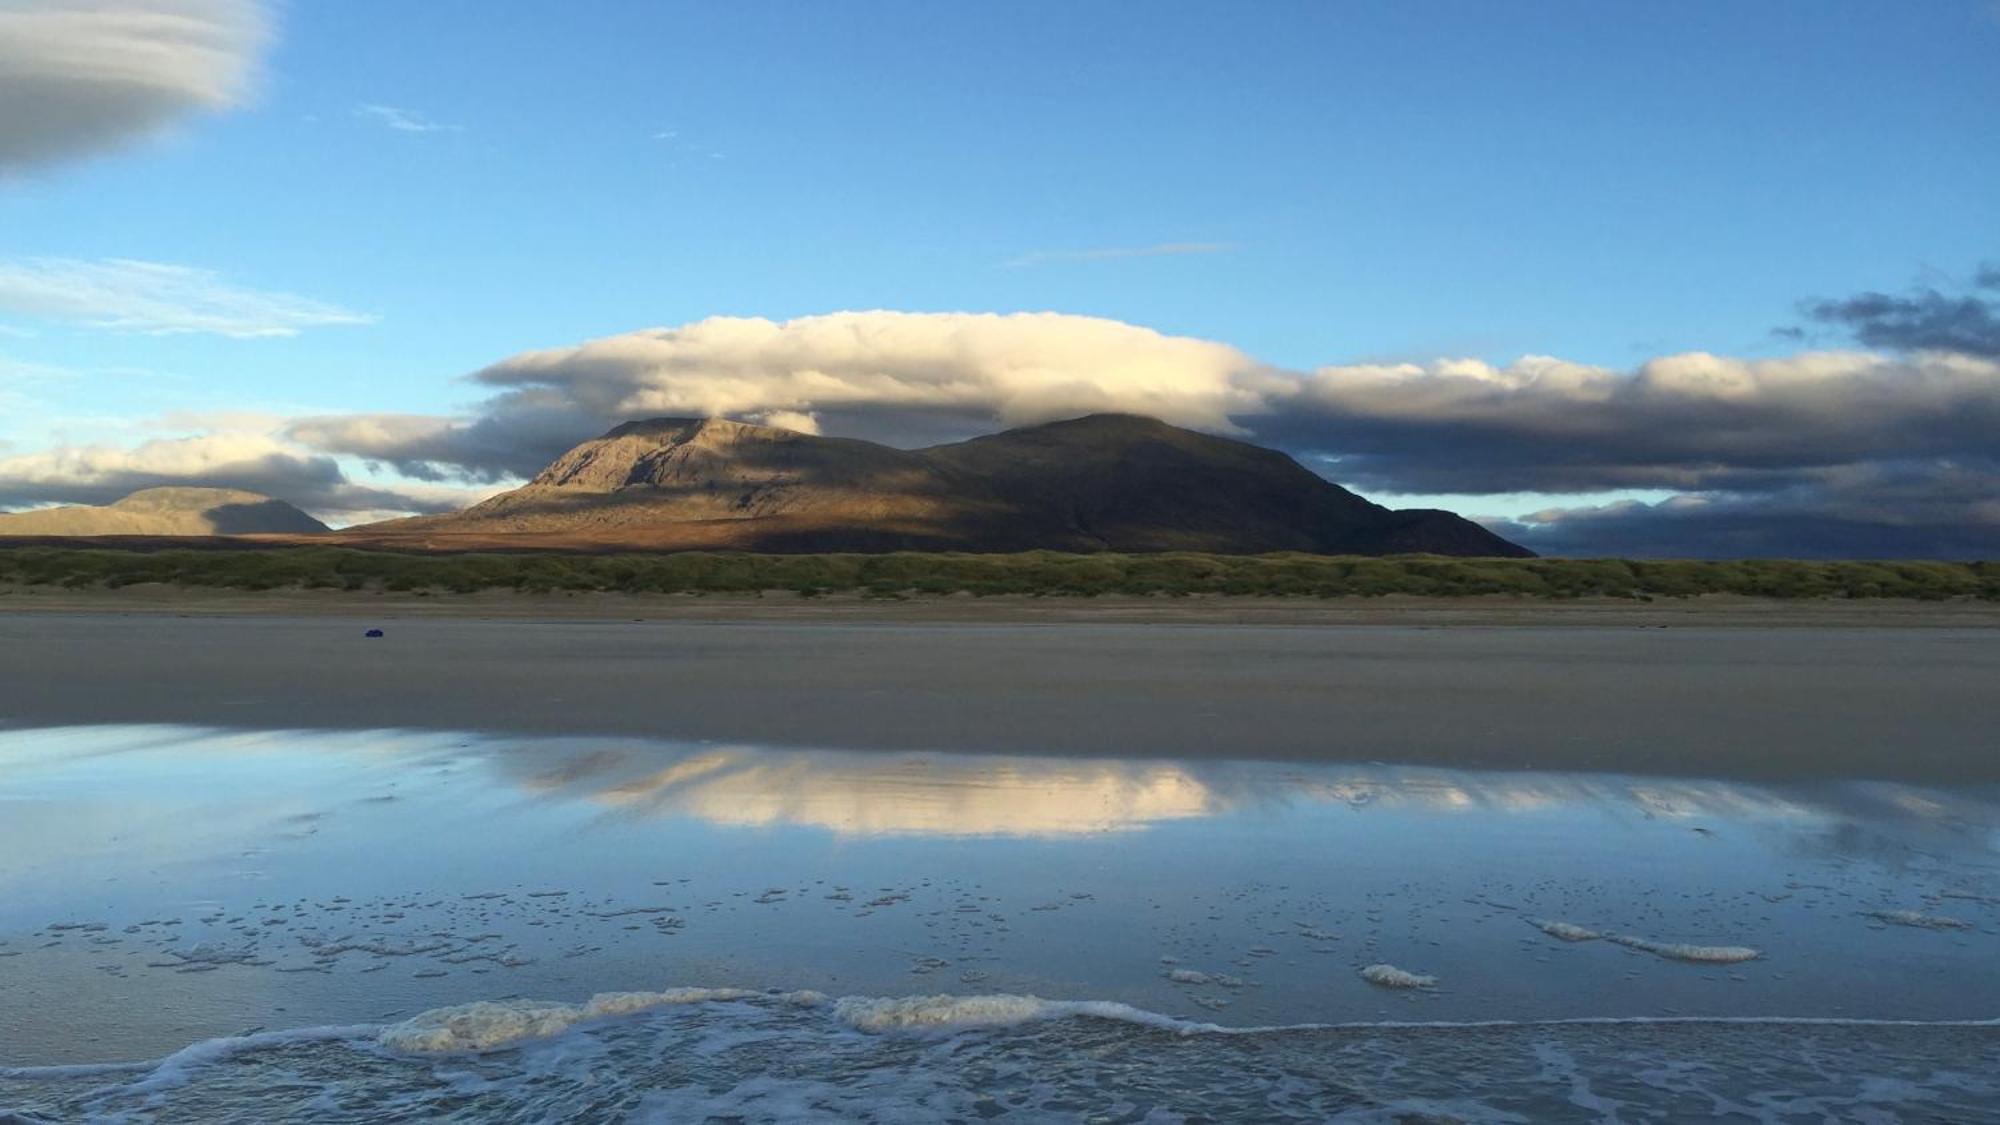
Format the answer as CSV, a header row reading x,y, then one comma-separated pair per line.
x,y
168,511
1107,482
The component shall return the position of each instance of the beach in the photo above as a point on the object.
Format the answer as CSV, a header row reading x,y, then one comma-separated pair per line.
x,y
1891,690
771,860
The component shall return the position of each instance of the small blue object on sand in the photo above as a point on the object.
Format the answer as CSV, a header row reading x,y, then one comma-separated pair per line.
x,y
372,633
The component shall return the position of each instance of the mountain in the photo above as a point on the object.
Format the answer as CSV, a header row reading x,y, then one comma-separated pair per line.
x,y
1107,482
1122,482
168,511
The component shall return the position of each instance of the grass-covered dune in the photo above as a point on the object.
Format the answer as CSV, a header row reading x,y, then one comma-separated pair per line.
x,y
1030,573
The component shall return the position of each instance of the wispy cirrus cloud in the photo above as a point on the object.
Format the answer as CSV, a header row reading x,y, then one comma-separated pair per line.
x,y
1114,253
157,298
402,120
23,371
81,76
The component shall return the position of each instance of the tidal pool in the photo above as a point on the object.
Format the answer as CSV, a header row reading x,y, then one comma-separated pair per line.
x,y
287,919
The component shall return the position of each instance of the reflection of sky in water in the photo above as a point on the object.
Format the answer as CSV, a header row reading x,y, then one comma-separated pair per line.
x,y
1063,877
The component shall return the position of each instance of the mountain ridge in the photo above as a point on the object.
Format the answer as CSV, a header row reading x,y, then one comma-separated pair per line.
x,y
1102,482
169,511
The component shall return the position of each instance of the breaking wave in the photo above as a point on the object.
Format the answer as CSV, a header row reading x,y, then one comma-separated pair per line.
x,y
696,1054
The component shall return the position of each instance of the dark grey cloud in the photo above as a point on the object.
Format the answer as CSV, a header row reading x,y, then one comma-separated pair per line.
x,y
1693,422
1921,320
81,76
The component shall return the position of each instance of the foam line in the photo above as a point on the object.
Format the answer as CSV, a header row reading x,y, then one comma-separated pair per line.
x,y
465,1025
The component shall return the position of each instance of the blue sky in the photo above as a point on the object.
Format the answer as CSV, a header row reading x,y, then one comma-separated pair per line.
x,y
1311,184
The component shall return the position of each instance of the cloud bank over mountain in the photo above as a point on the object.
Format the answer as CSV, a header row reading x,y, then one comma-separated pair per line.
x,y
906,378
1880,452
247,460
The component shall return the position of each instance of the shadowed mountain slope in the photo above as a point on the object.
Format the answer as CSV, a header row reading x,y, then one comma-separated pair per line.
x,y
1107,482
169,511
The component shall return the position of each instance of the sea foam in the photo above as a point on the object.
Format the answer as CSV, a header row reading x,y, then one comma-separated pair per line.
x,y
1677,951
1919,920
947,1014
486,1025
1389,976
1567,931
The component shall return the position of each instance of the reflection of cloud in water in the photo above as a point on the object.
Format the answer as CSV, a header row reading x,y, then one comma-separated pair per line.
x,y
874,794
1452,791
1898,827
861,793
864,793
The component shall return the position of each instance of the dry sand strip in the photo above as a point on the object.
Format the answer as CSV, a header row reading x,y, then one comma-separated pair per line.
x,y
1781,701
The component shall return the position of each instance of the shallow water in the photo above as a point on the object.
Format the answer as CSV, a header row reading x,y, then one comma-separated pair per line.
x,y
166,886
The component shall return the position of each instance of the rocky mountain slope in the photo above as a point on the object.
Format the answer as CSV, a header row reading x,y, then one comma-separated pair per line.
x,y
1107,482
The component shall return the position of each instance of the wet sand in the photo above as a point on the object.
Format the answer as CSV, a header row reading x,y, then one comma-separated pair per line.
x,y
1893,691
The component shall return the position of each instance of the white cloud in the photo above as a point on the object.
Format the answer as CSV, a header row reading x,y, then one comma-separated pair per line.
x,y
80,76
157,298
1017,368
802,421
1112,253
85,466
402,120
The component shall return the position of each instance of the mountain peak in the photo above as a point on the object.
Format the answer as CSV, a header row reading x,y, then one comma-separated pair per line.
x,y
1107,426
181,498
710,428
1107,420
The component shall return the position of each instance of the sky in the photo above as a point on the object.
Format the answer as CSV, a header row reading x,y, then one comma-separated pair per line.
x,y
1701,279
